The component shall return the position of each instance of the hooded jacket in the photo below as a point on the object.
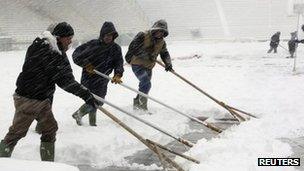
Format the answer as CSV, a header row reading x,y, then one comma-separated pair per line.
x,y
46,65
144,48
275,40
104,57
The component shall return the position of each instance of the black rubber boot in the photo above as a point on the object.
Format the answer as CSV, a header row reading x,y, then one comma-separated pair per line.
x,y
136,103
5,150
47,151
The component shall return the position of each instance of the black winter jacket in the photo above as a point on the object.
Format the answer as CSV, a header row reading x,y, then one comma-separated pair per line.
x,y
46,65
104,57
275,40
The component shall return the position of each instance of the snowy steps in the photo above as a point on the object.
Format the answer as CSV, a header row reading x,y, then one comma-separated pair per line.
x,y
147,158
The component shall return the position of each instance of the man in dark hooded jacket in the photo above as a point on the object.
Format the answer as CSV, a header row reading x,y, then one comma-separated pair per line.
x,y
46,64
292,44
274,42
142,54
104,55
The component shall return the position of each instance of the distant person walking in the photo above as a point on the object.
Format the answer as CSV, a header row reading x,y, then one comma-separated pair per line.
x,y
274,42
292,44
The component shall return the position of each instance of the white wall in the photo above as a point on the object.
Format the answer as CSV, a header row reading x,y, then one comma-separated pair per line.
x,y
215,19
256,19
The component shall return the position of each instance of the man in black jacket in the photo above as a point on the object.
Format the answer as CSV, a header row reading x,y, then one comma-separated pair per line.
x,y
274,42
292,44
45,65
104,55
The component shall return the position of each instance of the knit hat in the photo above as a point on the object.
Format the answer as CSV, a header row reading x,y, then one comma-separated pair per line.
x,y
63,29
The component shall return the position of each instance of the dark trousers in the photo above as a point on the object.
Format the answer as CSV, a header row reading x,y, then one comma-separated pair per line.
x,y
28,110
272,48
144,76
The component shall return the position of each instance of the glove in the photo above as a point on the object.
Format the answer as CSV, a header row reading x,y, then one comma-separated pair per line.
x,y
89,68
92,101
169,68
116,79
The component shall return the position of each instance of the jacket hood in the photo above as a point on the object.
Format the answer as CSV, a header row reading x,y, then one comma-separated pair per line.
x,y
160,25
108,27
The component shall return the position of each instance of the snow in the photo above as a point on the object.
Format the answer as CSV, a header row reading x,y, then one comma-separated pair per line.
x,y
22,165
239,74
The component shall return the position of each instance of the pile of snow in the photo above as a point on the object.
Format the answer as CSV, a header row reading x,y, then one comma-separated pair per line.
x,y
23,165
240,74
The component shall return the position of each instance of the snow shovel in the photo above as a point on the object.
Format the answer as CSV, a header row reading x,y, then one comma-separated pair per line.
x,y
208,125
233,111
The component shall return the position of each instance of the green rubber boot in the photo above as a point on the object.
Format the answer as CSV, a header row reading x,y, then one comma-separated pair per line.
x,y
83,110
77,118
92,118
47,151
143,102
5,150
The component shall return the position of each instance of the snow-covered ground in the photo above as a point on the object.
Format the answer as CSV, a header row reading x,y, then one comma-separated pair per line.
x,y
24,165
240,74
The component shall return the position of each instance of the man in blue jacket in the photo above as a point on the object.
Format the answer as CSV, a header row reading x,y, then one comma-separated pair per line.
x,y
104,55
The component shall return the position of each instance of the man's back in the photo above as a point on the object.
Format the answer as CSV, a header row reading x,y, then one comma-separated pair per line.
x,y
40,70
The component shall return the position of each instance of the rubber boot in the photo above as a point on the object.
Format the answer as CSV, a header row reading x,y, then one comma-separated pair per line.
x,y
92,118
47,151
136,103
143,101
83,110
77,118
5,150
